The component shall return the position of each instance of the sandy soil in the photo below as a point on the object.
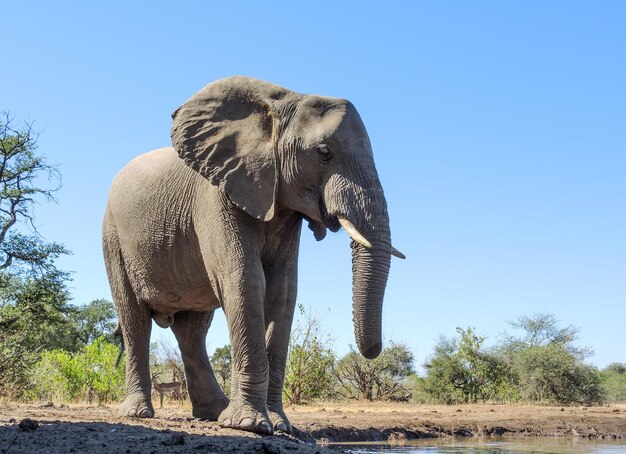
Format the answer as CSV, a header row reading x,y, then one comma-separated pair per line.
x,y
77,428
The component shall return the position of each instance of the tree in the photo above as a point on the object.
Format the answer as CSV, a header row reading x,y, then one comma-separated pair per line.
x,y
34,301
552,373
382,378
547,364
542,329
95,319
221,362
616,368
21,172
461,370
34,316
613,379
37,311
309,361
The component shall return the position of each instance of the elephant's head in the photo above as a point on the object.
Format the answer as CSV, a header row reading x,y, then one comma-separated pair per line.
x,y
271,149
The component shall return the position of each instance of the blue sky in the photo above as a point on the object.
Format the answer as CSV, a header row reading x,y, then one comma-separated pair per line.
x,y
499,132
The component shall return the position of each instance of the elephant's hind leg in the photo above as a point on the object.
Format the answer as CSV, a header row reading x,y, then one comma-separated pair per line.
x,y
207,398
136,324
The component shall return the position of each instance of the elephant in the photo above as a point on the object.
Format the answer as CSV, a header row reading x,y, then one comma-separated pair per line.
x,y
215,221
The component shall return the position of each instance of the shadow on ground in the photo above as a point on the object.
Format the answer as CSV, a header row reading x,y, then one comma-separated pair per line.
x,y
63,437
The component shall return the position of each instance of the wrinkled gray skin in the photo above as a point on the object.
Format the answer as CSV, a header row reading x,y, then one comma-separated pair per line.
x,y
215,221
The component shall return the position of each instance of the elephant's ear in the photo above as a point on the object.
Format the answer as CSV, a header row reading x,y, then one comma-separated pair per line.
x,y
226,132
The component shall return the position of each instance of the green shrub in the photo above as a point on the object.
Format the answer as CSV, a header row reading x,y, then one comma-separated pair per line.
x,y
310,360
613,379
461,370
67,376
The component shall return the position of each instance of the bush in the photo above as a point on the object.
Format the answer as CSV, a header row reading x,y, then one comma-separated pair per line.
x,y
542,365
547,365
308,372
68,376
383,378
16,362
461,370
613,379
552,373
416,387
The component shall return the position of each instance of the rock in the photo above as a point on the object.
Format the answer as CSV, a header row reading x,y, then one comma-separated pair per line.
x,y
28,425
397,438
46,404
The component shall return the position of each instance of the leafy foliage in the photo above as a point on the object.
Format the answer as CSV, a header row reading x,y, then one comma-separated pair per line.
x,y
68,376
96,319
461,370
34,308
613,379
310,361
382,378
547,364
221,364
542,330
21,172
543,364
417,392
16,362
34,316
37,310
552,373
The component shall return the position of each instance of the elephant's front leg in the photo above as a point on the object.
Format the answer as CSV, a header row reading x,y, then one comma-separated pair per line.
x,y
243,305
280,301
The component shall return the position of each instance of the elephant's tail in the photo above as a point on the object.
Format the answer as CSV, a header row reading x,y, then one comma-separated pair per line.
x,y
118,338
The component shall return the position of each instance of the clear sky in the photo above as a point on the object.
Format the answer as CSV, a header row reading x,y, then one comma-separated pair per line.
x,y
499,132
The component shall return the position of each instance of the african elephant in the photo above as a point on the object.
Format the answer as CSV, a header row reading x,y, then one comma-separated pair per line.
x,y
215,221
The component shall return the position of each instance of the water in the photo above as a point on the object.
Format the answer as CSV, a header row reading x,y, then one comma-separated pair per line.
x,y
498,446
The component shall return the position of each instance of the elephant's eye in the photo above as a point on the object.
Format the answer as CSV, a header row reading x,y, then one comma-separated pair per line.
x,y
325,153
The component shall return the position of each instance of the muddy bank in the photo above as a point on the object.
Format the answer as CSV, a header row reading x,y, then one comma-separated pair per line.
x,y
76,428
382,422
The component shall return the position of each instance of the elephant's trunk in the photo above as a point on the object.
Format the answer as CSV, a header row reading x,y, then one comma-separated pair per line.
x,y
370,268
362,212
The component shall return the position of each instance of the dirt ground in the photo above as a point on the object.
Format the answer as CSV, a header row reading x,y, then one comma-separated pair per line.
x,y
76,428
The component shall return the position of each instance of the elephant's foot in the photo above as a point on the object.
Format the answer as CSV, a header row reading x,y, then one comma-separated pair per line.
x,y
136,406
210,410
245,416
279,419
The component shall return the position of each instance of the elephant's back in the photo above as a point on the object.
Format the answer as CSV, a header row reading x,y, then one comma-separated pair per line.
x,y
150,184
145,172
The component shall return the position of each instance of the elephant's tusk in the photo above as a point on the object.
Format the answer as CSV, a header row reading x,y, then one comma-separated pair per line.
x,y
397,253
353,232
